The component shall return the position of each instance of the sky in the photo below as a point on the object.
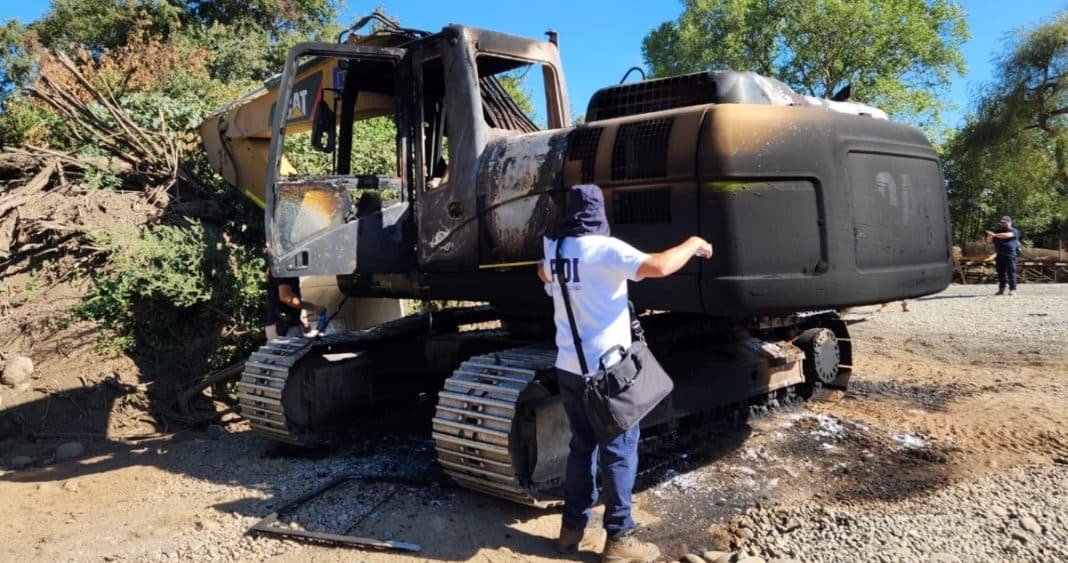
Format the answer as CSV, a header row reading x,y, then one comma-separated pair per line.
x,y
600,40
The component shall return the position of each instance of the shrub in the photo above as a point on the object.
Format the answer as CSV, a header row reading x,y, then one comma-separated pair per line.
x,y
176,283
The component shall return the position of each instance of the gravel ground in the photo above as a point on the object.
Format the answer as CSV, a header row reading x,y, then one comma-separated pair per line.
x,y
972,321
1021,515
950,447
951,361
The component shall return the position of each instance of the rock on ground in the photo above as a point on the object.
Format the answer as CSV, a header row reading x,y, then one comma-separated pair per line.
x,y
69,450
17,370
21,461
890,531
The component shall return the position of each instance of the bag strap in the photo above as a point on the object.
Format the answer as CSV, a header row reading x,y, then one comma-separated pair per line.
x,y
567,305
636,330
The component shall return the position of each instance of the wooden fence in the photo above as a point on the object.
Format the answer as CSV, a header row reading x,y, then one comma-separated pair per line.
x,y
1027,271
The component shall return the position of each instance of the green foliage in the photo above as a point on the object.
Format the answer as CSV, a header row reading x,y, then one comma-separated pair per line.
x,y
243,52
275,17
516,86
166,279
249,39
166,63
896,54
15,64
1011,156
374,147
23,120
374,150
102,24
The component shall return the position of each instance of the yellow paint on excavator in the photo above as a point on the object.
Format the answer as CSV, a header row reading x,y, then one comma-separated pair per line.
x,y
237,136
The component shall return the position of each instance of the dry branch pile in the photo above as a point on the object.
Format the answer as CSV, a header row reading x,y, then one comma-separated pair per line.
x,y
47,208
47,211
52,208
96,119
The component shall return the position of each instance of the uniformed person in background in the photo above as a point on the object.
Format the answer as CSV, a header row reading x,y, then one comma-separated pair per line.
x,y
1006,241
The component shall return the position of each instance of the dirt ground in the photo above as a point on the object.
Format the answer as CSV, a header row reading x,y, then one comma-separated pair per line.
x,y
928,408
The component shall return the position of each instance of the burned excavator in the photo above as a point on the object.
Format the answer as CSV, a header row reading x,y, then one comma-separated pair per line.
x,y
811,205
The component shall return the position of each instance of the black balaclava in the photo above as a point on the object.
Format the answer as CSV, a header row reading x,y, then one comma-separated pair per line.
x,y
585,213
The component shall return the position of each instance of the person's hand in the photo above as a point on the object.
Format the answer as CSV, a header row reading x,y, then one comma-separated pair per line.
x,y
704,248
305,326
990,233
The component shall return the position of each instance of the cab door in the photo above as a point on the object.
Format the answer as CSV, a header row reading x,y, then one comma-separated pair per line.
x,y
310,219
451,133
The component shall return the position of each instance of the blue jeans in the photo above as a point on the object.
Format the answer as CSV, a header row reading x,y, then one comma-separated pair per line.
x,y
1006,267
618,457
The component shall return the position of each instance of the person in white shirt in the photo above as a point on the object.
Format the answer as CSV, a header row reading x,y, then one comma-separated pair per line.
x,y
596,267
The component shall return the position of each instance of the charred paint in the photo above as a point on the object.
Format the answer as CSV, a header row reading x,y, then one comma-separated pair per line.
x,y
515,184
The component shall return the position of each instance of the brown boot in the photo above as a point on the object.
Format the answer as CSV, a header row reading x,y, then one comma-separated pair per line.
x,y
626,548
569,539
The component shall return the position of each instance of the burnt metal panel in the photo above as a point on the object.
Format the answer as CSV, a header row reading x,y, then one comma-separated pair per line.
x,y
447,216
780,249
295,259
648,96
517,182
309,206
450,218
773,226
384,243
641,149
582,147
701,88
897,210
641,206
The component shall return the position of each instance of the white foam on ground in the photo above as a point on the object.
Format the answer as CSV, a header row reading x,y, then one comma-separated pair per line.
x,y
743,470
681,482
910,441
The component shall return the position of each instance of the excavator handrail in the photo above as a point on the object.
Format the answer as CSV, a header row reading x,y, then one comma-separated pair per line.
x,y
391,26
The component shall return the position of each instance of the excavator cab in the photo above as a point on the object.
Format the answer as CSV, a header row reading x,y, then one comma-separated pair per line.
x,y
338,97
424,107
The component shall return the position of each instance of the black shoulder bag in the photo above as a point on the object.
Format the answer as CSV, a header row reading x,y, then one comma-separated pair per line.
x,y
620,395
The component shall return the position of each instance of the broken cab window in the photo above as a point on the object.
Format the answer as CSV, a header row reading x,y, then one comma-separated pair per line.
x,y
434,132
341,120
516,94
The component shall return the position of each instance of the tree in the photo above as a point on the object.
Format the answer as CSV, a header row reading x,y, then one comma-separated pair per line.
x,y
15,64
119,86
243,43
248,39
1012,156
896,54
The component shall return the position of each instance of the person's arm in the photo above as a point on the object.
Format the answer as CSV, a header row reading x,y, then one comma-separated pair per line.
x,y
291,299
663,264
1006,235
541,272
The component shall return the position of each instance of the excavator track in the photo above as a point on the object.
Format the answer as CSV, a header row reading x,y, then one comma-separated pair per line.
x,y
474,421
480,422
262,384
261,391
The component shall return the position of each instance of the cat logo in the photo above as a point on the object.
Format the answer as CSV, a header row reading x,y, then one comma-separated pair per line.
x,y
303,100
298,106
